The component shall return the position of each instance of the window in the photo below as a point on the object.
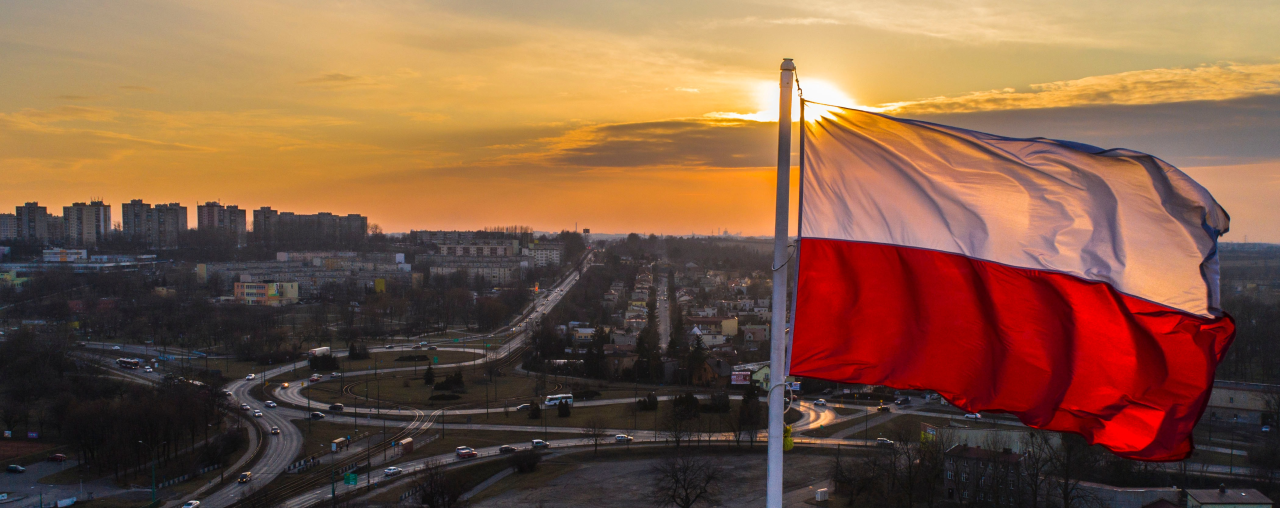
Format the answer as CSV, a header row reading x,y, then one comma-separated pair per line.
x,y
1231,399
950,475
964,477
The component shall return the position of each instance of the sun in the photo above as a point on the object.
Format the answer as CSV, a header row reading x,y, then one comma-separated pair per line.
x,y
815,90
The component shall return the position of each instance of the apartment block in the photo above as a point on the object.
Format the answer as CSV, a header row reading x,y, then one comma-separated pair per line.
x,y
32,222
158,226
271,225
8,226
86,223
214,216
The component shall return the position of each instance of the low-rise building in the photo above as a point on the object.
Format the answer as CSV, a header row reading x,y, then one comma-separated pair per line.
x,y
65,255
268,293
1227,498
1243,403
972,474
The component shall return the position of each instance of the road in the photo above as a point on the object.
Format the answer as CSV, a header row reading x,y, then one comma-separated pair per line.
x,y
281,450
664,314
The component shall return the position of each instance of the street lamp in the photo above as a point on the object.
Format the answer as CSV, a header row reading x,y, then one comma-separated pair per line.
x,y
150,450
1231,454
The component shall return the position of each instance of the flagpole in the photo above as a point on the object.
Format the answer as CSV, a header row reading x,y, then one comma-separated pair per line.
x,y
778,332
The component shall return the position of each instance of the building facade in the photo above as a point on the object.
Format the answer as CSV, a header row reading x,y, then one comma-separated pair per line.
x,y
268,293
32,223
271,225
159,227
972,474
230,220
86,224
8,226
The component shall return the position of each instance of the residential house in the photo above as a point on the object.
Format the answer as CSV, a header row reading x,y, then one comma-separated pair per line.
x,y
1227,498
972,474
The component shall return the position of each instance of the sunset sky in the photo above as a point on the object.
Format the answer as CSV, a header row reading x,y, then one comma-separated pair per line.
x,y
618,115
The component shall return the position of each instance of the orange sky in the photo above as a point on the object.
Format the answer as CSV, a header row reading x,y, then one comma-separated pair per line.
x,y
619,116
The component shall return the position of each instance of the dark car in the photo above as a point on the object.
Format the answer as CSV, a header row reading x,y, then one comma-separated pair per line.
x,y
336,407
316,415
57,457
14,468
431,348
506,448
883,409
245,477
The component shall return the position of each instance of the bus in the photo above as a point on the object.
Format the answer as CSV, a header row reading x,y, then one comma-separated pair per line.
x,y
553,400
129,363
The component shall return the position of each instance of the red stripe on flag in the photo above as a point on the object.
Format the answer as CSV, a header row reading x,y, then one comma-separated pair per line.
x,y
1059,352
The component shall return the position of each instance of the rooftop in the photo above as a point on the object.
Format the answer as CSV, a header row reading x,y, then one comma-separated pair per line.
x,y
1228,496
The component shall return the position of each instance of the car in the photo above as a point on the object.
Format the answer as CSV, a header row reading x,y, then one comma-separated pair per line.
x,y
284,385
416,347
14,468
115,348
973,416
191,504
884,442
897,402
465,452
335,374
539,444
906,400
147,369
432,348
315,378
391,346
270,403
523,407
245,477
257,413
1266,428
336,407
820,402
226,393
506,448
423,343
244,407
316,415
250,377
275,431
57,457
622,438
392,471
883,409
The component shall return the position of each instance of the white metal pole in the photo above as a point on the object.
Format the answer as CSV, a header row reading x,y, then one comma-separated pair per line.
x,y
778,334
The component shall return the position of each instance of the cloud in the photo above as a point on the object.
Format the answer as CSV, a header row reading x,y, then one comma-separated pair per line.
x,y
63,114
26,137
419,116
76,97
1155,86
758,21
138,88
338,80
701,142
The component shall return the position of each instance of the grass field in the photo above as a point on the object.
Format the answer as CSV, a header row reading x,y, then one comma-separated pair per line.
x,y
318,436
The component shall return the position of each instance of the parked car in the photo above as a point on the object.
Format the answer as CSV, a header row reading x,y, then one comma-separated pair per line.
x,y
883,409
245,477
275,431
973,416
506,448
884,442
465,452
316,415
57,457
622,438
14,468
250,377
392,471
820,402
257,413
270,403
336,407
539,444
191,504
523,407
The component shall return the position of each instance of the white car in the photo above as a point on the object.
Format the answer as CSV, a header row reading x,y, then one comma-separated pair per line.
x,y
191,504
250,377
270,403
1266,428
244,407
257,413
973,416
115,348
622,438
392,471
148,369
820,403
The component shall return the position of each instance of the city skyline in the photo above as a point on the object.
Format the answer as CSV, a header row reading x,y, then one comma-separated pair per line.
x,y
633,117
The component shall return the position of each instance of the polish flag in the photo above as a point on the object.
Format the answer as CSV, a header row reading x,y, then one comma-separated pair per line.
x,y
1071,286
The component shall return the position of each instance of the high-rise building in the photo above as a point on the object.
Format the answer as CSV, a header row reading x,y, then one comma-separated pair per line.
x,y
86,224
274,226
159,226
8,226
33,222
213,216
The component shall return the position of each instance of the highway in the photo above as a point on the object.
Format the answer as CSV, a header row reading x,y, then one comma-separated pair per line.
x,y
283,449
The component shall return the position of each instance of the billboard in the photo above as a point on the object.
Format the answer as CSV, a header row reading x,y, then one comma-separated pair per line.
x,y
741,377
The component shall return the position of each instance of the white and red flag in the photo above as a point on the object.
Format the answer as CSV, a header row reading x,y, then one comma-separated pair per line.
x,y
1074,287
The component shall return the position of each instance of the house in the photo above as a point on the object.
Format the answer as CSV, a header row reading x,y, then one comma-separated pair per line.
x,y
268,293
583,335
1223,497
714,325
1129,497
972,474
712,373
759,373
755,337
1243,403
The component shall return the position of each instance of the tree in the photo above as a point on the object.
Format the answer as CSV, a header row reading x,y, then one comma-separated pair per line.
x,y
685,481
438,488
563,409
595,428
535,411
429,376
525,461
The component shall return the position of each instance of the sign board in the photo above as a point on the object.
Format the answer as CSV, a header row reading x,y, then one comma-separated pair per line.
x,y
435,359
350,479
928,432
741,377
8,434
794,385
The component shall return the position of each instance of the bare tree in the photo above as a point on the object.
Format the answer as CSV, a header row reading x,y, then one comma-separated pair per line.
x,y
676,429
595,428
439,489
685,481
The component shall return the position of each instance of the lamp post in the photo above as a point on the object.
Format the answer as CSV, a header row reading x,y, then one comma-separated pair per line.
x,y
1231,461
150,450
